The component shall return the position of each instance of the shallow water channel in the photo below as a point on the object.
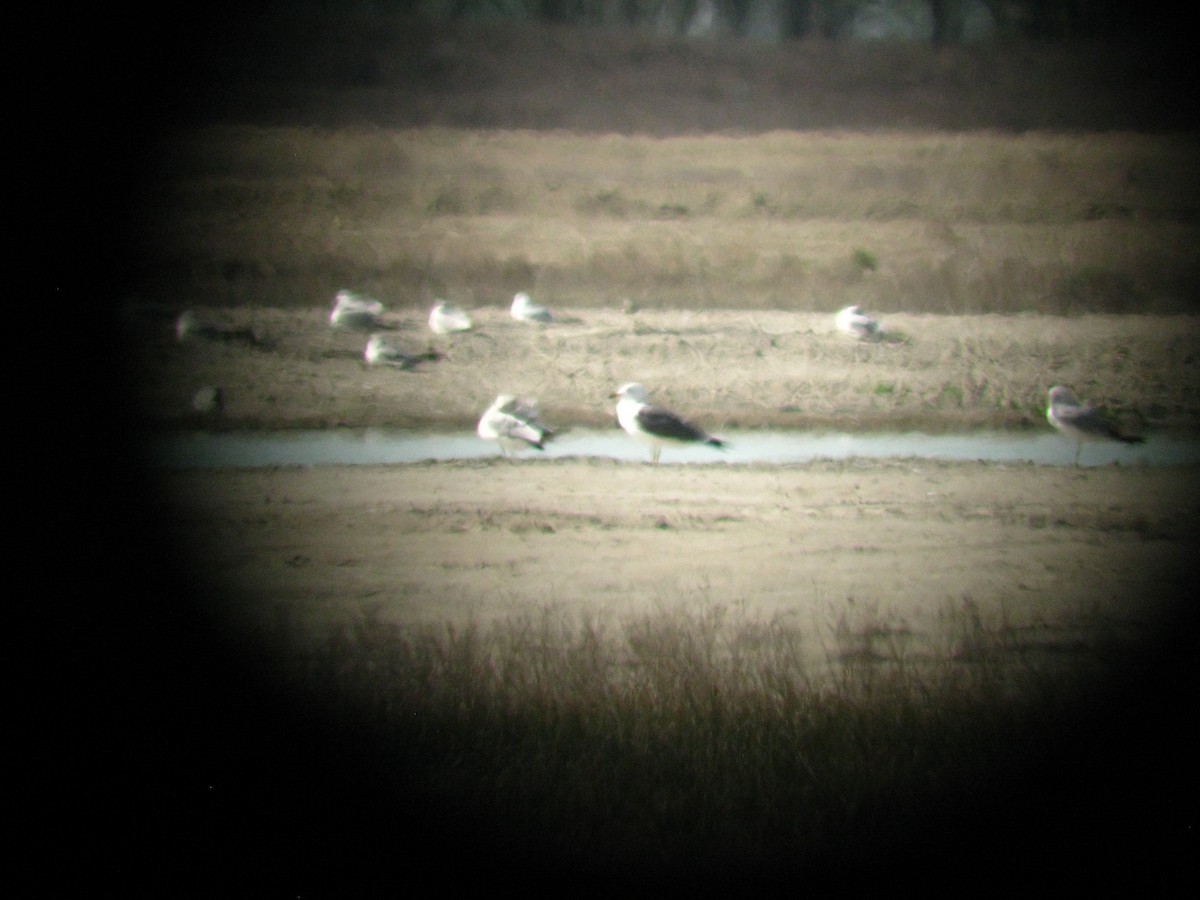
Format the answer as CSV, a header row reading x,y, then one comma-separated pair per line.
x,y
348,447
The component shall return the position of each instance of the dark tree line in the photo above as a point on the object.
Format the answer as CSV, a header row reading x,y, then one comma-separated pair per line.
x,y
1035,19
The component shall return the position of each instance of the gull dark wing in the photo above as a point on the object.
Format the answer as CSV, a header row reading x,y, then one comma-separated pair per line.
x,y
1093,420
665,424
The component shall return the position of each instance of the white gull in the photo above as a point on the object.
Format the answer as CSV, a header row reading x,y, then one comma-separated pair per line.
x,y
351,310
525,310
856,323
655,425
514,425
445,318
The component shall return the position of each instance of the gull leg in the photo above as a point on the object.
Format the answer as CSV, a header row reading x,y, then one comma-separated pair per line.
x,y
1078,450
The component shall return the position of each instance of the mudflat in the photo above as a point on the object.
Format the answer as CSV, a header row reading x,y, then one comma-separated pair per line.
x,y
902,547
730,369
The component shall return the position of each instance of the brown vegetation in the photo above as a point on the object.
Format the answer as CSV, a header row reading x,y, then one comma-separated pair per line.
x,y
899,222
411,158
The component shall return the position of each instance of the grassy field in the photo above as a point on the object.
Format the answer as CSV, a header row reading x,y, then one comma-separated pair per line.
x,y
680,745
913,222
1020,214
412,159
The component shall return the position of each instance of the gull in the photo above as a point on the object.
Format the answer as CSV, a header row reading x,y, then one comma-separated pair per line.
x,y
514,425
382,351
208,400
445,318
856,323
351,310
525,310
187,326
1084,421
655,425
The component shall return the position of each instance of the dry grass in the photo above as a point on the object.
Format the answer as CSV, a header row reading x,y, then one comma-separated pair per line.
x,y
412,159
911,222
680,743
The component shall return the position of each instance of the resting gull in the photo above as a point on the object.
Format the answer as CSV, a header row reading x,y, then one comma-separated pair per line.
x,y
188,326
856,323
351,310
525,310
655,425
209,400
383,351
1084,421
514,425
445,318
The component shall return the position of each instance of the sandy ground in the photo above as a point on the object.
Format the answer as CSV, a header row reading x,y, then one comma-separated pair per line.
x,y
728,369
906,546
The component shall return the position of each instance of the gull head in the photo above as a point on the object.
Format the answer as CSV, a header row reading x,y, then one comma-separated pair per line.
x,y
504,402
632,391
1060,394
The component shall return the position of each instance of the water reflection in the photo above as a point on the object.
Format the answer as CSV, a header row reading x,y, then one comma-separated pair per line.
x,y
341,447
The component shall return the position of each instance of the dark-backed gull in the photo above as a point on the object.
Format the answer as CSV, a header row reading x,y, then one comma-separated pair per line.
x,y
1084,421
655,425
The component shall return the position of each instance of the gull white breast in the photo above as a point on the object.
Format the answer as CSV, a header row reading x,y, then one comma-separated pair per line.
x,y
654,424
514,424
525,310
351,310
1084,422
445,318
854,322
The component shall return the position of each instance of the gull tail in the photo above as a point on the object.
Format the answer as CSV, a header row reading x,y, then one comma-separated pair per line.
x,y
717,442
